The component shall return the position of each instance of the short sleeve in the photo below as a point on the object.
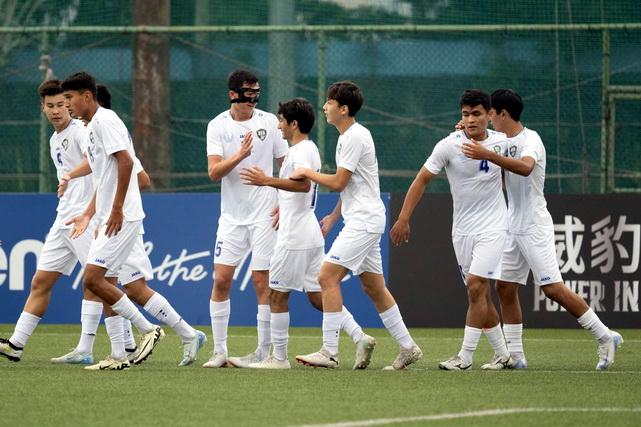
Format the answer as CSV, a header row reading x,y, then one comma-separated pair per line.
x,y
438,159
533,147
214,140
137,166
302,159
114,137
351,151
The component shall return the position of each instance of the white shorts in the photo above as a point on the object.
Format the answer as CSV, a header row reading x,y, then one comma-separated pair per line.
x,y
535,251
112,252
60,252
480,254
234,241
137,265
295,270
357,250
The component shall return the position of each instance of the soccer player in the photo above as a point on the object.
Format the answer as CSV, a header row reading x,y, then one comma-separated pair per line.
x,y
116,205
478,228
242,137
357,247
59,253
530,242
135,273
299,250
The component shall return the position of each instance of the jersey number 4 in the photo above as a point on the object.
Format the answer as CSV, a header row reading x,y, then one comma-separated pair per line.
x,y
485,166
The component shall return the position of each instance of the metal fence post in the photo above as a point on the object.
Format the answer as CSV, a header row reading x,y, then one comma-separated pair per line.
x,y
43,152
321,95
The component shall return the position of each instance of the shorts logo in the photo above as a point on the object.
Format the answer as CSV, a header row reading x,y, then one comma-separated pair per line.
x,y
513,150
274,282
136,273
545,279
335,257
490,273
262,134
99,260
65,143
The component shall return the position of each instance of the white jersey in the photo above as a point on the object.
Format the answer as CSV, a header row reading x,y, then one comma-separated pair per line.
x,y
479,205
66,149
243,204
527,208
299,228
362,207
108,135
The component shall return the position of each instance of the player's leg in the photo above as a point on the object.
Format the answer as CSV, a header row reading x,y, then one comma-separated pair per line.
x,y
539,249
279,332
232,243
55,259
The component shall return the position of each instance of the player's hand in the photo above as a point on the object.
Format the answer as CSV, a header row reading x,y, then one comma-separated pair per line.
x,y
80,224
275,217
114,223
460,125
475,150
400,232
246,146
327,223
253,176
299,174
62,185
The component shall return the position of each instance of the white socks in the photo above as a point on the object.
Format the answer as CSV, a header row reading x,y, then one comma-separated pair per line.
x,y
25,326
262,325
90,315
130,342
280,334
497,340
514,339
350,326
332,322
128,310
159,307
396,327
116,337
470,341
590,321
219,313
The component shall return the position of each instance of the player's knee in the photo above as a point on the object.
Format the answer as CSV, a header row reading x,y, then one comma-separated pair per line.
x,y
554,291
40,285
326,281
476,292
91,279
278,301
506,291
222,282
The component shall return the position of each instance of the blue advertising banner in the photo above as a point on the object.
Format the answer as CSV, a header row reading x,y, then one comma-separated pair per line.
x,y
180,231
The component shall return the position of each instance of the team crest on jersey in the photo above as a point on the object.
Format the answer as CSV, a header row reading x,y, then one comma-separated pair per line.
x,y
65,143
262,134
497,149
513,150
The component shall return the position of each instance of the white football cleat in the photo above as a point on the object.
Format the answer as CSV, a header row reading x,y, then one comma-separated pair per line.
x,y
147,344
73,358
364,350
10,351
406,356
190,349
498,362
244,361
607,350
321,359
271,363
217,360
110,364
454,363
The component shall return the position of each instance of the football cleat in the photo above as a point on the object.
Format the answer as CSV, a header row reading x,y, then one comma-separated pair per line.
x,y
270,362
190,348
406,357
455,363
110,364
244,361
10,351
74,358
364,349
321,359
606,351
498,362
147,344
217,360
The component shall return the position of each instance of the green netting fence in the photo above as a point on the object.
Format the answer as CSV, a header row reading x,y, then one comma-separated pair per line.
x,y
576,64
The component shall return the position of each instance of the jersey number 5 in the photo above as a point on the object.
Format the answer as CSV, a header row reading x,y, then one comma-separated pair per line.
x,y
485,166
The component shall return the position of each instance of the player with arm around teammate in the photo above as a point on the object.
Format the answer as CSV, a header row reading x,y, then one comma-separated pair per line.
x,y
530,243
299,250
478,228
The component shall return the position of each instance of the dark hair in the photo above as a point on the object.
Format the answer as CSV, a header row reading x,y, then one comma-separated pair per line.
x,y
80,81
508,100
103,96
474,97
298,109
346,93
238,77
49,88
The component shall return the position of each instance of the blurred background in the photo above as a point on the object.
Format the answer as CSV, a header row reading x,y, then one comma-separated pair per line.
x,y
577,64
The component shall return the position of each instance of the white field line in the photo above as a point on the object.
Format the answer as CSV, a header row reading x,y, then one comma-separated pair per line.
x,y
471,414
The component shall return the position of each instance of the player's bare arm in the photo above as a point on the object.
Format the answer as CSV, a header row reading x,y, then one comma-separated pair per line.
x,y
144,181
523,166
336,182
328,222
217,167
400,232
256,176
81,222
81,170
116,217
